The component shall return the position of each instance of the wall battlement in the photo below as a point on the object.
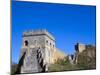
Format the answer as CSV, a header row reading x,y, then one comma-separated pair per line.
x,y
38,33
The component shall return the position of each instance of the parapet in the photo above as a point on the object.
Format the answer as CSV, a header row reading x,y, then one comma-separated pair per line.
x,y
38,33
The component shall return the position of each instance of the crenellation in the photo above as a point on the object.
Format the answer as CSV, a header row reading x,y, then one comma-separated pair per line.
x,y
38,33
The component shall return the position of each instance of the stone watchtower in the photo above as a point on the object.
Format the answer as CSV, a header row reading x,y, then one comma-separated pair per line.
x,y
36,51
80,47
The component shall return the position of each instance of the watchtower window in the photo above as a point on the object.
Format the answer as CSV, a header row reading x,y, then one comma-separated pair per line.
x,y
46,41
26,43
53,45
50,43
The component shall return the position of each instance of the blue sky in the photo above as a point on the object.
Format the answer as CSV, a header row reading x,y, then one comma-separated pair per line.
x,y
68,23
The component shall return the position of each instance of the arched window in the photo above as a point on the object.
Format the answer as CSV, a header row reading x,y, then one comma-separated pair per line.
x,y
53,46
26,43
47,41
50,43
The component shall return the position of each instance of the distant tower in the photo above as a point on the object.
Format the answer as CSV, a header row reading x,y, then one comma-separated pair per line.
x,y
36,51
80,47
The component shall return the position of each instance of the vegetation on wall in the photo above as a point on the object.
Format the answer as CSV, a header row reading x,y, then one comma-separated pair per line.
x,y
85,60
13,68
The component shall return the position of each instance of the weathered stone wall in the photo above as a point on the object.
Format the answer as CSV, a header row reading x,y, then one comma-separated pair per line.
x,y
40,49
57,54
49,49
30,62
